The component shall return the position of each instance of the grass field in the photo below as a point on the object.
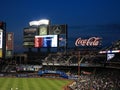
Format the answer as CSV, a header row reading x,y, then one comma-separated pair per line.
x,y
32,84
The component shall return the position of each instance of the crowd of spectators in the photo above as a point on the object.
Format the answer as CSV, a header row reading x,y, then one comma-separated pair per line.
x,y
101,80
23,67
60,59
88,57
114,46
72,59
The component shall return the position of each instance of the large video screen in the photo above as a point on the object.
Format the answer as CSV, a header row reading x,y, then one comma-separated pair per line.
x,y
1,38
43,29
46,41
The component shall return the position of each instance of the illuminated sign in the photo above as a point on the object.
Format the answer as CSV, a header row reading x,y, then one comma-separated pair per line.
x,y
46,41
110,51
29,44
43,29
1,38
1,53
93,41
30,32
57,29
28,38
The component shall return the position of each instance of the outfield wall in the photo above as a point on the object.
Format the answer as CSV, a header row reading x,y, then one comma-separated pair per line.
x,y
61,74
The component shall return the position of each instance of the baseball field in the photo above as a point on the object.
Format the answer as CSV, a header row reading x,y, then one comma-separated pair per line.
x,y
32,84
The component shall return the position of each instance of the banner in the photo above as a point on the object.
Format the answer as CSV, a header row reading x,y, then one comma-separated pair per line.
x,y
9,41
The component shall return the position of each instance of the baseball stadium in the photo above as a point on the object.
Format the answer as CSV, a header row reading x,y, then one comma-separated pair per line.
x,y
54,60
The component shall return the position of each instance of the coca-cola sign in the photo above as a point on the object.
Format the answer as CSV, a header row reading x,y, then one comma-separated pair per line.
x,y
93,41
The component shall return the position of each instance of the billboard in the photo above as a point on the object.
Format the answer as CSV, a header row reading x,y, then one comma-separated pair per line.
x,y
9,41
28,36
46,41
92,41
57,29
1,38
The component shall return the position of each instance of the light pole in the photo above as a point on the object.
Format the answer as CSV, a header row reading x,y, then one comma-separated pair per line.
x,y
78,64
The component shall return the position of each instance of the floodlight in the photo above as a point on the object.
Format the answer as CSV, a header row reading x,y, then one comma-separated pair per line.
x,y
40,22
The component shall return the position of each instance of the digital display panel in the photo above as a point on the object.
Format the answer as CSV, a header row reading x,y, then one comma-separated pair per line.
x,y
29,34
1,38
46,41
62,40
43,30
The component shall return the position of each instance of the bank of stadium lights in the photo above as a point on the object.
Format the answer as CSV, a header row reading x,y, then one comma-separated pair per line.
x,y
39,22
110,51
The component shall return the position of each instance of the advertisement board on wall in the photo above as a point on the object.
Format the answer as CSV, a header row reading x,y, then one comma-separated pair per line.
x,y
57,29
92,41
1,38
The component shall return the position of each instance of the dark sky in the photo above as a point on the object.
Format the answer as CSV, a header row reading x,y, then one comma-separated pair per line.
x,y
85,18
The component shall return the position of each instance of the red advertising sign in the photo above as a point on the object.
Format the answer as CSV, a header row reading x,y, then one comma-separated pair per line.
x,y
93,41
9,41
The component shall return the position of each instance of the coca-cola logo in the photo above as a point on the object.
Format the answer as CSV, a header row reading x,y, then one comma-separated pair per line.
x,y
93,41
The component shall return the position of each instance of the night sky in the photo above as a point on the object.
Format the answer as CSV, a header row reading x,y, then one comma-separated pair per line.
x,y
85,18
